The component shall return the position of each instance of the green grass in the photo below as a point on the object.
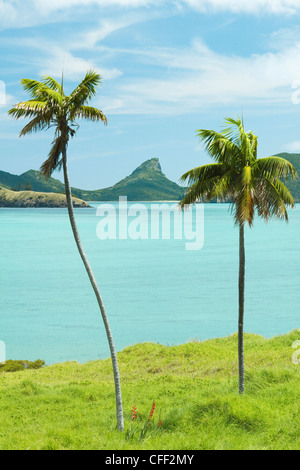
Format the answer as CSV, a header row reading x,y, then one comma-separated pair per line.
x,y
194,386
10,198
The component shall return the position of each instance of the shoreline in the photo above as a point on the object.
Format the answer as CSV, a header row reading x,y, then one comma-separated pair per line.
x,y
204,342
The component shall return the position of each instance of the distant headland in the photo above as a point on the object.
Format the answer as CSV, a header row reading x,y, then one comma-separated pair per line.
x,y
146,183
23,199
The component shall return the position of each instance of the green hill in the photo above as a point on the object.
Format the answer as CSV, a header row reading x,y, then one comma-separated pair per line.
x,y
294,186
147,182
31,179
38,183
23,199
71,406
7,180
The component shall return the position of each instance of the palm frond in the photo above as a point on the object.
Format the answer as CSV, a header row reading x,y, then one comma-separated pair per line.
x,y
276,167
246,177
233,132
50,82
39,123
192,195
29,109
215,187
244,209
219,147
274,199
33,87
283,193
253,147
40,91
86,89
203,172
90,113
244,201
53,161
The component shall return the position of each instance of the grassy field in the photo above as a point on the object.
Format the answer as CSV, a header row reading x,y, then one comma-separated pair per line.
x,y
195,389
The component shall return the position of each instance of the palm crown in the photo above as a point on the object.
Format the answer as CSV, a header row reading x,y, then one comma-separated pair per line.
x,y
49,106
239,176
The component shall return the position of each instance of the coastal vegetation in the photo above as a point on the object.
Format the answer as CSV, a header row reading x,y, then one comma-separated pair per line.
x,y
24,199
250,184
17,365
48,107
194,386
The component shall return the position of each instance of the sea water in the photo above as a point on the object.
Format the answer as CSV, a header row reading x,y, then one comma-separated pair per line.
x,y
153,290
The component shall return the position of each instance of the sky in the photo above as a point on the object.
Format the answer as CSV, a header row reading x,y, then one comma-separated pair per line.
x,y
168,67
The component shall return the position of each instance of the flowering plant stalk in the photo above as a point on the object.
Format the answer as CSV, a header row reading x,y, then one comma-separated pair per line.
x,y
139,427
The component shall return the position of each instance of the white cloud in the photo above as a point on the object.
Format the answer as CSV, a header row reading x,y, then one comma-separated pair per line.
x,y
236,6
20,14
107,26
51,59
245,6
195,78
74,67
8,12
47,6
293,146
190,78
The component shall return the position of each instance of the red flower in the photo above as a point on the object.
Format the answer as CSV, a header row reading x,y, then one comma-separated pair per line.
x,y
133,414
152,411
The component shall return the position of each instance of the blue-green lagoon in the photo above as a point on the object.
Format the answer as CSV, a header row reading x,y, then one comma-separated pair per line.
x,y
153,290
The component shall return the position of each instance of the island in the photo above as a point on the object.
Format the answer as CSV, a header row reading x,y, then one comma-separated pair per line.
x,y
146,183
23,199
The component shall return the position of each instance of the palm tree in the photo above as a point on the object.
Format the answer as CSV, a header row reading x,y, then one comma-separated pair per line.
x,y
50,107
248,183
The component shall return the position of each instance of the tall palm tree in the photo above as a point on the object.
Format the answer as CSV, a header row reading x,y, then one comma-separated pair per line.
x,y
248,183
50,107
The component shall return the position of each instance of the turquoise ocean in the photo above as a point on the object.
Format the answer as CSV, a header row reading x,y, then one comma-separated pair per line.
x,y
153,290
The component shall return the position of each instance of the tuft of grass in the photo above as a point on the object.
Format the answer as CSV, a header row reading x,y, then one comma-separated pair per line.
x,y
194,387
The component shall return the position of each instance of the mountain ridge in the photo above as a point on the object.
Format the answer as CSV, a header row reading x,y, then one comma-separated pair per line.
x,y
146,182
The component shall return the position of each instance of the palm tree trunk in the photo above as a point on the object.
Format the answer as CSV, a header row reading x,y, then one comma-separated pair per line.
x,y
120,421
241,309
